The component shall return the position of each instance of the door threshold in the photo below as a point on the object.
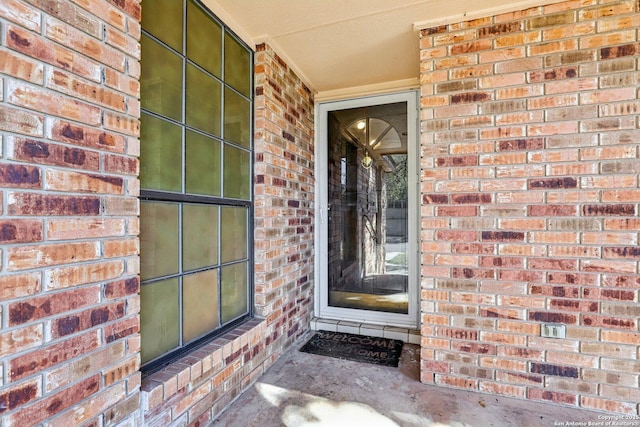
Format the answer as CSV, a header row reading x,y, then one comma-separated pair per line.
x,y
407,335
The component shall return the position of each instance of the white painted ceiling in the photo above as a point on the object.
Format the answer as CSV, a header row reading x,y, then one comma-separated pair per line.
x,y
335,45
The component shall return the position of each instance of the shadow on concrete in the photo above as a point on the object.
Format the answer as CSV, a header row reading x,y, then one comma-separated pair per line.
x,y
307,390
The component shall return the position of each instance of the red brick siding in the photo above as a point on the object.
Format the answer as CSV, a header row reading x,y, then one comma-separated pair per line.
x,y
195,389
530,192
68,283
284,195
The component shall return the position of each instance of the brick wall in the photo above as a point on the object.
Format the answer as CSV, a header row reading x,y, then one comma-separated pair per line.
x,y
68,219
530,215
530,201
197,387
69,342
284,197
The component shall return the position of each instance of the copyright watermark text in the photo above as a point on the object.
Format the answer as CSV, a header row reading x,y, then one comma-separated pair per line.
x,y
603,421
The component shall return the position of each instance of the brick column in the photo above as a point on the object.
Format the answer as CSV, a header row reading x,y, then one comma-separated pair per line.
x,y
530,203
69,113
284,195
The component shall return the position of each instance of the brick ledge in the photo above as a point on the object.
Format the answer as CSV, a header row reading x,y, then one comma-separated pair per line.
x,y
204,362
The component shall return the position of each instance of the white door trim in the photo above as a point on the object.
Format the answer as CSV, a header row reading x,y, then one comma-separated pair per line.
x,y
321,306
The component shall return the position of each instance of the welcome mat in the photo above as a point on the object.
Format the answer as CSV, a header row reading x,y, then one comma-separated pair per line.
x,y
379,351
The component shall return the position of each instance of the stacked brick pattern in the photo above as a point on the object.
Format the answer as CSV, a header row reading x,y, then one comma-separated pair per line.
x,y
69,129
193,390
284,197
530,202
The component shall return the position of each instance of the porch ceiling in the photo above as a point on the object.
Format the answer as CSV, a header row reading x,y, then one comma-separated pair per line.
x,y
339,45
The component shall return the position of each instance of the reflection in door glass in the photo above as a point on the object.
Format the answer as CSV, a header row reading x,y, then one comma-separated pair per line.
x,y
368,194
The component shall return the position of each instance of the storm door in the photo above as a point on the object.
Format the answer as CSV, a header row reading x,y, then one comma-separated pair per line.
x,y
366,167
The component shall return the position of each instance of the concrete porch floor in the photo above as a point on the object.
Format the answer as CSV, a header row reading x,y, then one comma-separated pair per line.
x,y
306,390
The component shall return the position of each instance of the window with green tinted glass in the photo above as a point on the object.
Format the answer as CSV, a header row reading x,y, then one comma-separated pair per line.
x,y
195,176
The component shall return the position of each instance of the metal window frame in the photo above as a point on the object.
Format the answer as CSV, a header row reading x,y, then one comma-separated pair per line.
x,y
183,198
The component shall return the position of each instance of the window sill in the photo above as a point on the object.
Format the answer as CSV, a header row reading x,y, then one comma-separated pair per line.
x,y
215,362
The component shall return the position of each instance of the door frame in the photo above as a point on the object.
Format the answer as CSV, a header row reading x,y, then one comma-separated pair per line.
x,y
321,307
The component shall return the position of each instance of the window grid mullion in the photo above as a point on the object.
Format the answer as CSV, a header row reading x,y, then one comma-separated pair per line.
x,y
183,188
219,261
221,201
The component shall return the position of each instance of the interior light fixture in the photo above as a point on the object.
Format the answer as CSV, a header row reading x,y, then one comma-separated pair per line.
x,y
367,161
361,124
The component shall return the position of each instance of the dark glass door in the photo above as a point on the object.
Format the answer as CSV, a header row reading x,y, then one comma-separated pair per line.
x,y
368,208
